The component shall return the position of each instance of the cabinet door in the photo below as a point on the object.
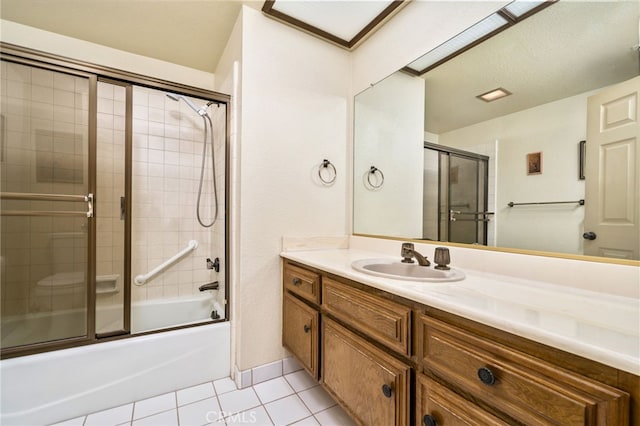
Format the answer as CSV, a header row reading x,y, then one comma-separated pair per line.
x,y
370,384
437,405
300,332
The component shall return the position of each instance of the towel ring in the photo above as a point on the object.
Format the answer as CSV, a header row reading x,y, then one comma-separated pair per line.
x,y
372,172
326,164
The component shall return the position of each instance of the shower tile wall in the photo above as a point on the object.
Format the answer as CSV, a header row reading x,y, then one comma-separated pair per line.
x,y
44,131
167,147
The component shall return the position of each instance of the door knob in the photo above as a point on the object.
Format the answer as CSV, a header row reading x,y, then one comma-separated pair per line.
x,y
589,235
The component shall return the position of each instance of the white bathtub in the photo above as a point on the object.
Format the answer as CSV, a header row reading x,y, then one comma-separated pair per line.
x,y
50,387
145,316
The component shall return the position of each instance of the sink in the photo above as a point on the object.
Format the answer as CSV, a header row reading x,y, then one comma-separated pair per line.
x,y
406,271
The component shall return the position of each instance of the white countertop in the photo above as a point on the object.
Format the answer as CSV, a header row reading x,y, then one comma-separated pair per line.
x,y
597,326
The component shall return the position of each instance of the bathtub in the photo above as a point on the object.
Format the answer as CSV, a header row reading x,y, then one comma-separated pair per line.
x,y
54,386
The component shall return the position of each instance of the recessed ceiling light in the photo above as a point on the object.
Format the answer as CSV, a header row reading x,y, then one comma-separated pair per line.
x,y
494,94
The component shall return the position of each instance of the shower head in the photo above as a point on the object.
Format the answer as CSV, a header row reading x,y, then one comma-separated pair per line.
x,y
201,111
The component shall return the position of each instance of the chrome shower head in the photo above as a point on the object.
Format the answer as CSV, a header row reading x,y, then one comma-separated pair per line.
x,y
201,111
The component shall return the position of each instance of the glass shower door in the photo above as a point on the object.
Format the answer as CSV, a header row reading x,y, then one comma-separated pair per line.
x,y
466,200
46,205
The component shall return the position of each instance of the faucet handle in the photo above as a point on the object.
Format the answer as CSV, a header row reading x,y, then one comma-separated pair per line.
x,y
407,252
442,258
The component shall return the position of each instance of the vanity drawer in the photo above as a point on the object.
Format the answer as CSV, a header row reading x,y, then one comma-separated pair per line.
x,y
302,282
437,405
530,390
385,321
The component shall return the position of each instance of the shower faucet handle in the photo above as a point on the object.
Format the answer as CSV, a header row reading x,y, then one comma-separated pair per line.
x,y
213,264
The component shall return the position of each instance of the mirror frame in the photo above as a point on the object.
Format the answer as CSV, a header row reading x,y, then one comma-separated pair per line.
x,y
410,71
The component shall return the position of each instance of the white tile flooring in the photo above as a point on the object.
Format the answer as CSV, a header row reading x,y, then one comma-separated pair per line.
x,y
292,399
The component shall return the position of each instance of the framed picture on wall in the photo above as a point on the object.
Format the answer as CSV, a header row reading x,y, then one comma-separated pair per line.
x,y
534,163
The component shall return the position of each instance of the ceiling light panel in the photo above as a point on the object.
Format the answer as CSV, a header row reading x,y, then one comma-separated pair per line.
x,y
494,95
344,19
462,40
521,7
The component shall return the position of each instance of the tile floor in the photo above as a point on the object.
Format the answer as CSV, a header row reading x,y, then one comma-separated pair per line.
x,y
292,399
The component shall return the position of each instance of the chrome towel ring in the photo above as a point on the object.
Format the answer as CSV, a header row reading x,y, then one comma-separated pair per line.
x,y
374,172
331,171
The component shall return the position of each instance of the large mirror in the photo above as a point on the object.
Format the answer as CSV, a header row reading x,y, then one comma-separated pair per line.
x,y
434,161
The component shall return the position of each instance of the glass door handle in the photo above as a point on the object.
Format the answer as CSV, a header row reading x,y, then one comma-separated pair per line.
x,y
89,199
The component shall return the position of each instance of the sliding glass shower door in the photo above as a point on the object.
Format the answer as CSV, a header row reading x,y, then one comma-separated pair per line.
x,y
455,197
47,205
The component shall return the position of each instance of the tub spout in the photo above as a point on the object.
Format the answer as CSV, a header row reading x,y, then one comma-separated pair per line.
x,y
210,286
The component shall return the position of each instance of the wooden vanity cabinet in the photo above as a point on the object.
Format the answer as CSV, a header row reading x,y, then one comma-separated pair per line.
x,y
528,389
392,361
301,316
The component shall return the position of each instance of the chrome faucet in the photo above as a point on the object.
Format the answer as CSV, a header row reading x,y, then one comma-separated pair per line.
x,y
408,252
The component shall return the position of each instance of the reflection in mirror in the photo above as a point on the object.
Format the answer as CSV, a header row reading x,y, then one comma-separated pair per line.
x,y
550,64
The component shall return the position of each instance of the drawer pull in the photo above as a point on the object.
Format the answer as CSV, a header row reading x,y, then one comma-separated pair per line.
x,y
296,281
428,420
306,328
486,376
386,390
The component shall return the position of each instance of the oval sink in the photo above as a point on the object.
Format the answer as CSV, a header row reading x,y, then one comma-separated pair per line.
x,y
406,271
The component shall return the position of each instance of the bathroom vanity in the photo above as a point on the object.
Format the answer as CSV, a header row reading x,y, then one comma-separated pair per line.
x,y
397,353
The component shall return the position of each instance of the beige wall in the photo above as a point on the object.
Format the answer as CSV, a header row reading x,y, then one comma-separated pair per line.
x,y
22,35
294,109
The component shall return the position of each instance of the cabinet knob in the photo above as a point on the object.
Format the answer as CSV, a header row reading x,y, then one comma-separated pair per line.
x,y
306,328
386,390
428,420
486,376
296,281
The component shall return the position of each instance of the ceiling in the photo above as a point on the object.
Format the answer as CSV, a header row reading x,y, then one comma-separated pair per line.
x,y
564,50
192,33
537,62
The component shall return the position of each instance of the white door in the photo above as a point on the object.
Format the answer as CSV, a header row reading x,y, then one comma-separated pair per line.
x,y
612,172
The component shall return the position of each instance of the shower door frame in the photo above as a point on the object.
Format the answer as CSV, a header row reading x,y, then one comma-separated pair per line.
x,y
443,216
95,73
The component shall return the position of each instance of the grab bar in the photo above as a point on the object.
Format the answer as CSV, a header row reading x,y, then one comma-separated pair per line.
x,y
453,218
511,204
141,279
